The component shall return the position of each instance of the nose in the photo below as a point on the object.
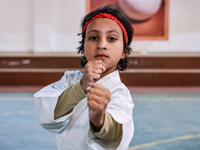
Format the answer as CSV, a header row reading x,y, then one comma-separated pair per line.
x,y
102,44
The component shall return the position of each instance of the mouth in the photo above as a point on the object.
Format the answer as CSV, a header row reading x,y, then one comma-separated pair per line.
x,y
101,56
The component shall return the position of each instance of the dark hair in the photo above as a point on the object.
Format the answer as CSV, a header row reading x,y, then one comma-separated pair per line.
x,y
113,10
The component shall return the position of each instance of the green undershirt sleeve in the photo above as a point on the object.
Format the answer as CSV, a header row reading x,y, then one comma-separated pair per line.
x,y
68,100
110,131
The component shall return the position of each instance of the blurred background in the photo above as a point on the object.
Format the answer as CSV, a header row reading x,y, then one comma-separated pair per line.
x,y
38,43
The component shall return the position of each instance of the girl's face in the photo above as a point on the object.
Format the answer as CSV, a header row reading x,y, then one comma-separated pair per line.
x,y
104,41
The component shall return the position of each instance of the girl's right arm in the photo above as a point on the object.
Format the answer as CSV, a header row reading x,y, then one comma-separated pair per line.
x,y
68,100
46,99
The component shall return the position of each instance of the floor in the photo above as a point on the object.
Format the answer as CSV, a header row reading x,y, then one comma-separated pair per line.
x,y
166,121
163,121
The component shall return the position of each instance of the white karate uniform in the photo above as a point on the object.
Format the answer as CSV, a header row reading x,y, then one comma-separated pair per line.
x,y
73,130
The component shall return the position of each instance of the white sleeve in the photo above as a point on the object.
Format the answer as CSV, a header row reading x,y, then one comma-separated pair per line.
x,y
46,99
121,109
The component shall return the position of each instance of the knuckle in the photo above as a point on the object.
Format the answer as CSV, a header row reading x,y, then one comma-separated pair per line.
x,y
101,107
98,75
91,91
90,96
89,103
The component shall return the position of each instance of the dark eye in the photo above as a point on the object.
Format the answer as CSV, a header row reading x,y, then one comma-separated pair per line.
x,y
112,39
93,38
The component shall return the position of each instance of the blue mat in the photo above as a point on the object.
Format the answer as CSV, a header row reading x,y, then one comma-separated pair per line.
x,y
162,121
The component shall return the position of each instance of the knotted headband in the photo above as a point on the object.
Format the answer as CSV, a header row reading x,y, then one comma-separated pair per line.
x,y
107,15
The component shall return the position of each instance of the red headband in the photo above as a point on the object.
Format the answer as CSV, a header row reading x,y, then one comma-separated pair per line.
x,y
106,15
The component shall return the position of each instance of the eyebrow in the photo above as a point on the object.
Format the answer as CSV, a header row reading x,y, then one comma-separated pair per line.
x,y
97,31
111,31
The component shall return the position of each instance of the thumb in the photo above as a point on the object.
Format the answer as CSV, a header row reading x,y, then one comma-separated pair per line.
x,y
103,68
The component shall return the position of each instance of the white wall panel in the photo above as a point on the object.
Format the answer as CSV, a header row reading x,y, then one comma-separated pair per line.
x,y
53,25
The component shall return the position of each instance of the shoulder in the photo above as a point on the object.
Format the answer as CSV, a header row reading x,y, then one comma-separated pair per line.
x,y
56,88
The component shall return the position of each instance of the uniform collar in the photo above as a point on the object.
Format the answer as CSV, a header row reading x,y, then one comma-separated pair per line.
x,y
111,80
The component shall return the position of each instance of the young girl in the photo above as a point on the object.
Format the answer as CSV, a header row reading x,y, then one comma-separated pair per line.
x,y
93,109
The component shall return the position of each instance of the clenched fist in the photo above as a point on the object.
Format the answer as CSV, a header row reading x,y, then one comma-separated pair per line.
x,y
98,99
92,72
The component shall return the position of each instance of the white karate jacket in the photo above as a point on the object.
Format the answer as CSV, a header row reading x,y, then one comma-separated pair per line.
x,y
73,131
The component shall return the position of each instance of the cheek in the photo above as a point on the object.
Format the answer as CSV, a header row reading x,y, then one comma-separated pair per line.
x,y
87,52
116,56
119,54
